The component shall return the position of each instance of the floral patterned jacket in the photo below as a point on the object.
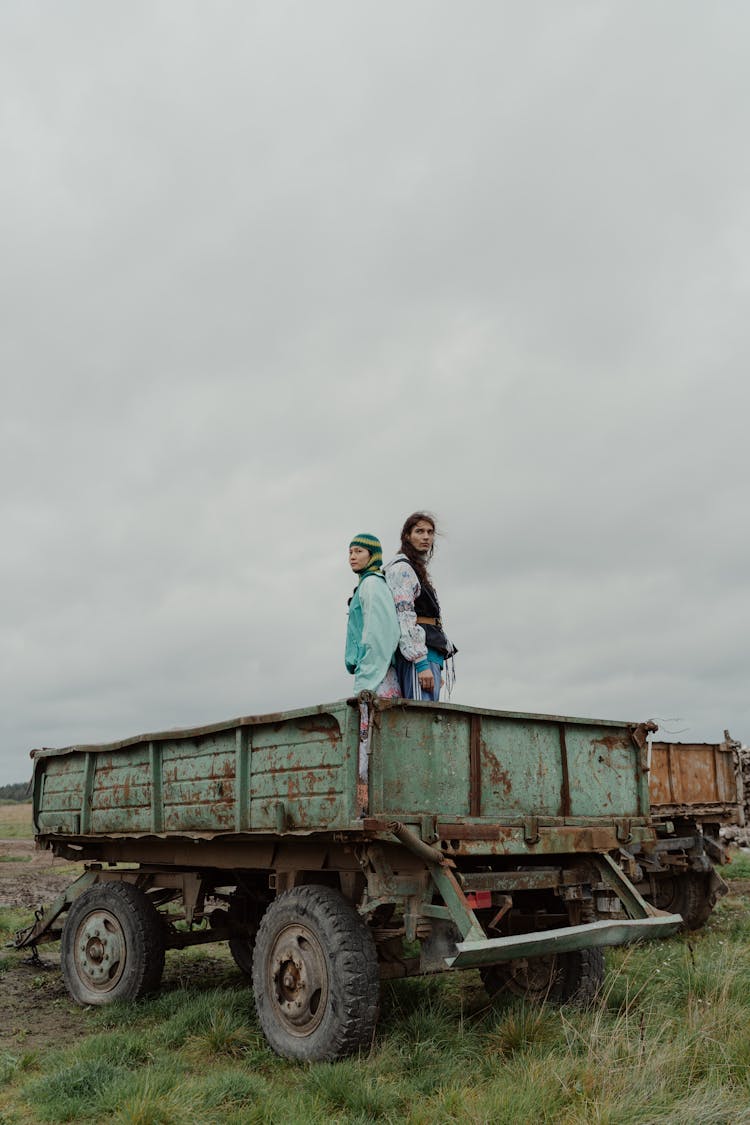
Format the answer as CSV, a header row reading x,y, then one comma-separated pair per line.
x,y
404,585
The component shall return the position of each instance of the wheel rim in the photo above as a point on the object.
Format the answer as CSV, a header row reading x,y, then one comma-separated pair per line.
x,y
667,894
299,980
100,951
533,977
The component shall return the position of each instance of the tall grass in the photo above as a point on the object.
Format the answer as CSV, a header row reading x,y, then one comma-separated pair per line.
x,y
668,1044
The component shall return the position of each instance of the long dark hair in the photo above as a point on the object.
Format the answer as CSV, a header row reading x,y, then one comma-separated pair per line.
x,y
417,561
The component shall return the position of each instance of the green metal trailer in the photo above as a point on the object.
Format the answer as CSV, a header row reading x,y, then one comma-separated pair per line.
x,y
490,840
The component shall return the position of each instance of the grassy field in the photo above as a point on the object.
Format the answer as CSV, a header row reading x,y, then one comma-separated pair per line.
x,y
15,821
669,1043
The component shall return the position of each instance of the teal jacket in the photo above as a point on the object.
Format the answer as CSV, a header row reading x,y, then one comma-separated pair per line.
x,y
372,633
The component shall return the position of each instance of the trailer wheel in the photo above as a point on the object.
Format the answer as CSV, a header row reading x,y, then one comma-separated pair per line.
x,y
315,975
688,893
562,978
112,945
246,911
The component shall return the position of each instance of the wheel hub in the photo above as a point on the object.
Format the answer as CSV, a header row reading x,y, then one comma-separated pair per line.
x,y
299,978
533,977
100,951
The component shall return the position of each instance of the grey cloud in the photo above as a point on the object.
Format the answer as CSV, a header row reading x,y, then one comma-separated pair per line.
x,y
275,274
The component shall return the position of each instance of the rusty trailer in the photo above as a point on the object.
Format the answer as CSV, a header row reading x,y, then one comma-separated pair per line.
x,y
696,790
490,840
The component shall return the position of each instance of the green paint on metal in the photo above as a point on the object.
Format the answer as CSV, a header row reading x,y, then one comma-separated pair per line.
x,y
425,759
86,794
493,951
40,930
614,877
242,774
454,898
430,765
157,800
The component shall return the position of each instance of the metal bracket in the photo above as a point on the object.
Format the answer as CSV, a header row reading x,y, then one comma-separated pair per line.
x,y
624,833
49,914
531,829
617,880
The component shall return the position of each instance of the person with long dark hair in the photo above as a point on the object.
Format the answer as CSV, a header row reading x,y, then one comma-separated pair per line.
x,y
423,646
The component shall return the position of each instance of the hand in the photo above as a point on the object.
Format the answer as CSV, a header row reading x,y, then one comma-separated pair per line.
x,y
425,680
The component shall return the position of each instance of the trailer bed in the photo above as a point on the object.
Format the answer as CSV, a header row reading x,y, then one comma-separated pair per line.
x,y
471,772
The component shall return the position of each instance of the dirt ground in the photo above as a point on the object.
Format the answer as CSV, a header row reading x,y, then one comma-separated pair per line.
x,y
35,1008
30,878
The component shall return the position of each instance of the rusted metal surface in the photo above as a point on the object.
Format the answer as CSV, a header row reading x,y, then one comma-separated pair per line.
x,y
41,930
565,774
415,844
696,780
475,766
499,765
219,778
482,839
296,773
493,951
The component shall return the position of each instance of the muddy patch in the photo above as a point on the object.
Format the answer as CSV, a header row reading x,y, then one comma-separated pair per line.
x,y
36,1010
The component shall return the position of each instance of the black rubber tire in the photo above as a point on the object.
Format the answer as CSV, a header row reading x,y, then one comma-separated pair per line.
x,y
112,945
249,912
315,976
561,978
687,893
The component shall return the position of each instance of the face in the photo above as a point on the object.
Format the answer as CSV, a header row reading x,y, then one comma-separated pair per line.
x,y
422,536
359,559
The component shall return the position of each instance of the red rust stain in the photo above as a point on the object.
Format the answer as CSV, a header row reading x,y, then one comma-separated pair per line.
x,y
499,778
330,729
611,742
222,815
292,787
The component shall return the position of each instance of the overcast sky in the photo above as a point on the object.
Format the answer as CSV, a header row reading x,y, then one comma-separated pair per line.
x,y
276,273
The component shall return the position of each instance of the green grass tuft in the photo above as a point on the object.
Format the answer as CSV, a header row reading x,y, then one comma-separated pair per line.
x,y
75,1092
225,1034
522,1028
355,1088
738,867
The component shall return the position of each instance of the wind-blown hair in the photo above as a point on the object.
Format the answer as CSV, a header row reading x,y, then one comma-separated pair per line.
x,y
417,561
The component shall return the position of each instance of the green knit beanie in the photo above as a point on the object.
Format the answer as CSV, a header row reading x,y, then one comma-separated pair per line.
x,y
371,544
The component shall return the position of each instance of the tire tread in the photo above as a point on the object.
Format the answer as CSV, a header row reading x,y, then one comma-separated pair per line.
x,y
148,948
355,985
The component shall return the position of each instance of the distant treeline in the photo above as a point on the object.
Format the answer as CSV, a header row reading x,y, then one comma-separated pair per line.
x,y
18,791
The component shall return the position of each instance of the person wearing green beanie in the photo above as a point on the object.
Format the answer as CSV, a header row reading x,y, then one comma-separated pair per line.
x,y
372,632
372,635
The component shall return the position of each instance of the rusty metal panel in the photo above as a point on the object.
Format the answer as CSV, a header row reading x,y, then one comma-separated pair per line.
x,y
695,778
57,796
297,771
120,799
305,765
495,766
521,768
186,781
603,766
420,761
